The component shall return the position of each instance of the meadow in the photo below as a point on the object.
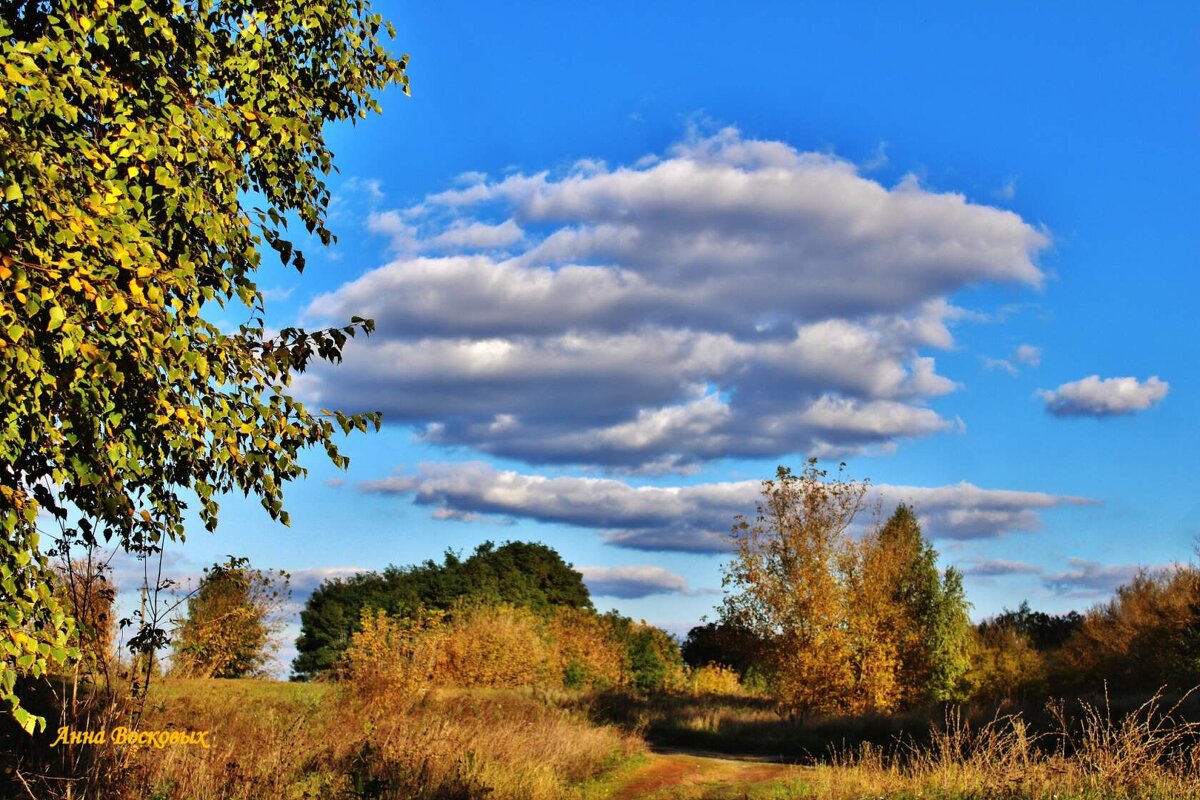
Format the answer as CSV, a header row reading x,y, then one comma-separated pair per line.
x,y
273,739
505,688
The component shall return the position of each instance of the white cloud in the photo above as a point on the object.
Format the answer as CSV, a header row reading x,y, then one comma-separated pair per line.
x,y
304,582
997,567
633,581
1028,354
731,298
1094,397
1082,578
1024,354
695,518
476,236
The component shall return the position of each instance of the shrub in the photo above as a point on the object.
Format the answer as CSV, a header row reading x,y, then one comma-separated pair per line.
x,y
1004,665
390,655
491,646
1143,638
584,652
714,679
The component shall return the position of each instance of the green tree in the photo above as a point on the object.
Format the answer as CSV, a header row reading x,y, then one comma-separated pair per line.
x,y
1045,631
525,574
652,655
150,150
719,643
933,628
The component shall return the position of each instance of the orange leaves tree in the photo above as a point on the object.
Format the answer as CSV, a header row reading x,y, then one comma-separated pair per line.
x,y
787,588
150,151
846,624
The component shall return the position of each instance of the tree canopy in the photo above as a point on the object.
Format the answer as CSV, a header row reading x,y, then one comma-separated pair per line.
x,y
150,152
842,624
231,618
522,574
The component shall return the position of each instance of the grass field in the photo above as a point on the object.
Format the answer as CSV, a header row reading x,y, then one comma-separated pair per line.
x,y
298,741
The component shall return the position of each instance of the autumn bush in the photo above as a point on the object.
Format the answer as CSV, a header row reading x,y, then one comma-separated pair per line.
x,y
584,652
389,655
492,646
715,679
1146,636
481,645
1004,666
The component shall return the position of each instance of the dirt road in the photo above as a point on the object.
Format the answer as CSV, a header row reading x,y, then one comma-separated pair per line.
x,y
680,775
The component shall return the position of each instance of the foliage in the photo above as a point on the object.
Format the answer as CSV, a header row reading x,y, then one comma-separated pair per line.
x,y
493,646
714,679
924,613
482,645
784,584
1045,631
585,653
652,655
841,625
1004,665
148,150
230,620
389,655
1141,639
524,574
724,644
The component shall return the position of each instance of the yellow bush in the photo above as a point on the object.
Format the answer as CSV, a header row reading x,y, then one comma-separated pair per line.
x,y
391,655
491,646
714,679
584,652
1004,666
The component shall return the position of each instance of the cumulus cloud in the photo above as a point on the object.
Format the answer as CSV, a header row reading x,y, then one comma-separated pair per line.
x,y
695,518
1096,397
629,582
731,298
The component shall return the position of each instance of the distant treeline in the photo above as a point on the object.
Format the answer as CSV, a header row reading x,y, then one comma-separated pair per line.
x,y
1146,638
869,626
528,583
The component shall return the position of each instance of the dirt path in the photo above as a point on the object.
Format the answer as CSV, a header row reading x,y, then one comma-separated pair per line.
x,y
686,775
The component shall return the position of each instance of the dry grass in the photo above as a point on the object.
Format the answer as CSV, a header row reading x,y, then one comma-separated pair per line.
x,y
446,744
300,741
1095,755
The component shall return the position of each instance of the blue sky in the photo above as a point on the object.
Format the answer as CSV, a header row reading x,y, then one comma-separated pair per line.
x,y
674,245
